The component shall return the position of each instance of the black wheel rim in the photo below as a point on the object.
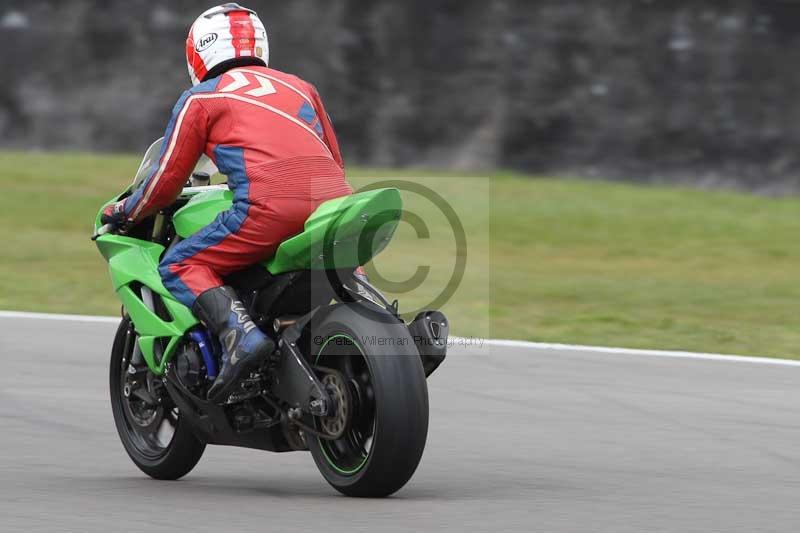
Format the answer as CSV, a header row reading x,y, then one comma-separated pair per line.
x,y
149,418
350,453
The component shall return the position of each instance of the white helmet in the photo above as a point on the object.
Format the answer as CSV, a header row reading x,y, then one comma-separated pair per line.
x,y
223,33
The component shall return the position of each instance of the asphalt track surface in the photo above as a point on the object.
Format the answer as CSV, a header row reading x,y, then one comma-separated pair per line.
x,y
520,440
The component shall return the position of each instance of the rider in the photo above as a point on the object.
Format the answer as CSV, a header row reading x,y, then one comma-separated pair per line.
x,y
268,132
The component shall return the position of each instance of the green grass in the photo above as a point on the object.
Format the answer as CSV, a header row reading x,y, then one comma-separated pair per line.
x,y
555,260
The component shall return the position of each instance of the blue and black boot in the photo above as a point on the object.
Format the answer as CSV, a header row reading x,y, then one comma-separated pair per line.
x,y
244,346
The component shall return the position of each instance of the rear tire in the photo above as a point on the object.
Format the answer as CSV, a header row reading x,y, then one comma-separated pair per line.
x,y
175,458
383,444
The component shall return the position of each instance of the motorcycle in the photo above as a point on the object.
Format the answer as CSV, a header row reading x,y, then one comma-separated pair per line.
x,y
347,381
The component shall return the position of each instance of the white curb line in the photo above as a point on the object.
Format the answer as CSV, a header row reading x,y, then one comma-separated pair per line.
x,y
635,352
63,318
474,341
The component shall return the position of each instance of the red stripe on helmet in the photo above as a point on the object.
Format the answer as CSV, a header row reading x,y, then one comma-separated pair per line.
x,y
243,32
194,59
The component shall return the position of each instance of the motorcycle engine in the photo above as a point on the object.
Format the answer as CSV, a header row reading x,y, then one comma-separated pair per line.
x,y
189,366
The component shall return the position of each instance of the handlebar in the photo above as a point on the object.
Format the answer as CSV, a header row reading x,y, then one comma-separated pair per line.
x,y
107,228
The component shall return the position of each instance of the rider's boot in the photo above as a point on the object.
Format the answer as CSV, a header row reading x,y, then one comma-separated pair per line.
x,y
244,346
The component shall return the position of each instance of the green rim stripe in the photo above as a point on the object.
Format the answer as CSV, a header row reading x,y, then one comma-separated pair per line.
x,y
321,442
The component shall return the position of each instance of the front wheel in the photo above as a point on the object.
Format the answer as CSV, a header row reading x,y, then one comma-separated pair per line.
x,y
386,429
148,423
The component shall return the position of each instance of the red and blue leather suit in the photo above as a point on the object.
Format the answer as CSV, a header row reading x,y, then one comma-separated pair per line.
x,y
268,132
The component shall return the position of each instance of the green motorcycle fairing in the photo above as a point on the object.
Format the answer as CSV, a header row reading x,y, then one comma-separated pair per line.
x,y
341,233
133,263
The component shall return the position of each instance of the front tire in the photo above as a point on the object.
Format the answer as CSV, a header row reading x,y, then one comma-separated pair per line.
x,y
385,438
144,426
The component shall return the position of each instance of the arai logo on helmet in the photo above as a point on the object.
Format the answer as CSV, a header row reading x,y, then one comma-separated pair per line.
x,y
205,41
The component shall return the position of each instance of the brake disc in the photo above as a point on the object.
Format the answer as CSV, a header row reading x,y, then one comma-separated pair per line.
x,y
336,386
145,413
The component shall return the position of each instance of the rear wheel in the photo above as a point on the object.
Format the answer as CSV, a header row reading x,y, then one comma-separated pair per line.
x,y
386,396
148,423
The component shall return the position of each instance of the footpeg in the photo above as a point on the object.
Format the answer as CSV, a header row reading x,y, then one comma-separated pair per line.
x,y
248,388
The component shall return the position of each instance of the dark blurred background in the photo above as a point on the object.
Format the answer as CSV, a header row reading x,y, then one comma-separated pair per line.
x,y
691,91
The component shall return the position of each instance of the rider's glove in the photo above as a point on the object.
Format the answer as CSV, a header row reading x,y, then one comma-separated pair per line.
x,y
114,214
